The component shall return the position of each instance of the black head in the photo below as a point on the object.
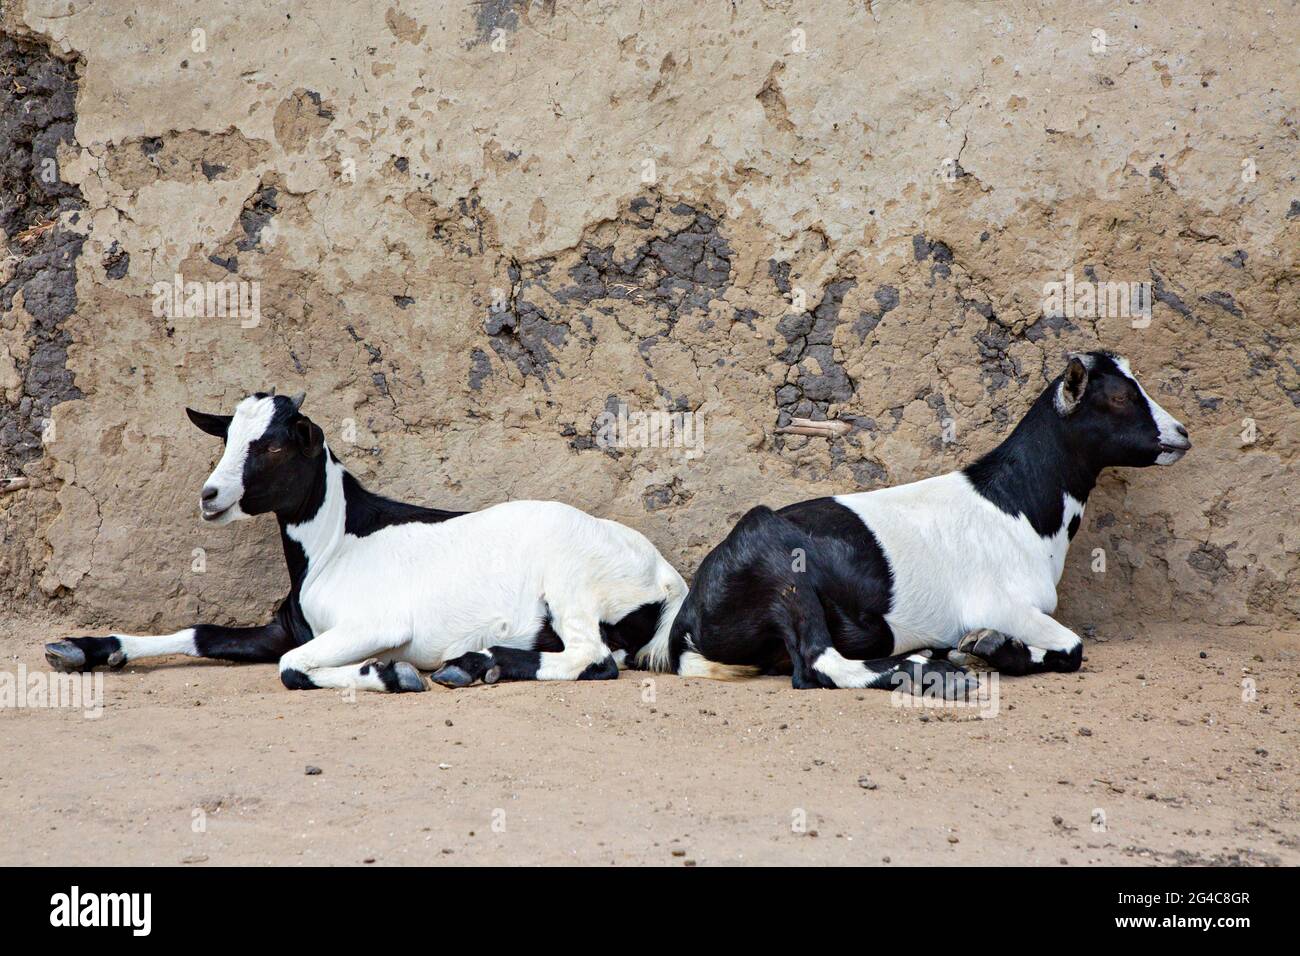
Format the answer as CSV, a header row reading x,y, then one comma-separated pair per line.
x,y
271,462
1110,419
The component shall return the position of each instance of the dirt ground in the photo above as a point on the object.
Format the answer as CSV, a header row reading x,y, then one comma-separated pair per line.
x,y
202,763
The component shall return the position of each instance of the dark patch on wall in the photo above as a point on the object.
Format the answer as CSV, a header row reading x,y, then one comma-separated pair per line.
x,y
609,414
1049,322
810,335
1237,260
1291,393
211,170
867,472
1224,301
230,264
480,367
887,300
1161,293
939,405
997,365
780,273
933,249
682,270
658,497
1294,211
492,15
324,112
256,214
403,301
116,261
521,332
374,357
37,113
38,94
1211,561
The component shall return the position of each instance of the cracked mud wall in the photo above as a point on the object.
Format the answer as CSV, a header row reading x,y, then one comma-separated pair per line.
x,y
476,227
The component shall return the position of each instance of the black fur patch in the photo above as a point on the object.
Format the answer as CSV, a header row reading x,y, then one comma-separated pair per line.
x,y
1029,472
368,512
1066,662
470,667
784,586
296,680
97,649
250,645
515,663
634,630
387,674
601,670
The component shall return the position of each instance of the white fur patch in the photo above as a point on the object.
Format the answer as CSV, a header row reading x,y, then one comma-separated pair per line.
x,y
252,416
842,671
182,642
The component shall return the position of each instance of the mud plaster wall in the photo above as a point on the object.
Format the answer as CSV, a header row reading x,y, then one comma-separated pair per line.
x,y
500,153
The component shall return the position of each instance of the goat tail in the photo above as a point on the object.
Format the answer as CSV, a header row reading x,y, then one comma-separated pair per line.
x,y
658,654
691,663
672,649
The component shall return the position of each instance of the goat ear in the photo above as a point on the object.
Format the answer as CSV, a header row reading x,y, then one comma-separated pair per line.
x,y
212,424
1073,384
309,436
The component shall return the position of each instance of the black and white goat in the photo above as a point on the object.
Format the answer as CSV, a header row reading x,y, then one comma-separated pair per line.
x,y
521,590
840,592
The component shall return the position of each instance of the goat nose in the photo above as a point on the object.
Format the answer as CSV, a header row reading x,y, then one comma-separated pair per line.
x,y
208,494
1181,430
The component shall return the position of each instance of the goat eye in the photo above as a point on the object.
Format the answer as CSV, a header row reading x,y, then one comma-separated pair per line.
x,y
1119,399
275,449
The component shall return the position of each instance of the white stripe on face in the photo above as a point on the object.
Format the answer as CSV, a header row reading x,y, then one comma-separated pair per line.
x,y
1171,431
252,416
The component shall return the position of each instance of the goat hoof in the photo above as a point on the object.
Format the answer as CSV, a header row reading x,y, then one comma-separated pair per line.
x,y
66,657
116,661
452,676
492,676
984,642
409,680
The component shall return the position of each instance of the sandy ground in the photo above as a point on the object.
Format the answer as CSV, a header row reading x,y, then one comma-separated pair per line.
x,y
204,763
